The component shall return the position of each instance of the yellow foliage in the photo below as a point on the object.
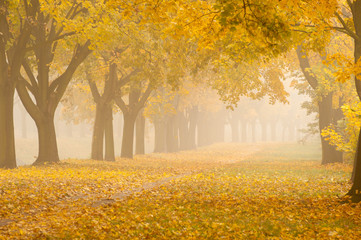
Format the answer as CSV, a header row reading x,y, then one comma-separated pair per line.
x,y
346,139
221,192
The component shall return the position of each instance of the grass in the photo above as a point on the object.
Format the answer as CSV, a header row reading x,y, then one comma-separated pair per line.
x,y
279,192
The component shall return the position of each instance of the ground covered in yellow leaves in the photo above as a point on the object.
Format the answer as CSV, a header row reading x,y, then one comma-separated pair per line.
x,y
226,191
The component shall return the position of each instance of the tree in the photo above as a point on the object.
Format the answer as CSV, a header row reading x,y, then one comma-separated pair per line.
x,y
58,27
326,113
14,36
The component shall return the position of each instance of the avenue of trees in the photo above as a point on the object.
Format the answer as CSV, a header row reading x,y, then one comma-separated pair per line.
x,y
155,60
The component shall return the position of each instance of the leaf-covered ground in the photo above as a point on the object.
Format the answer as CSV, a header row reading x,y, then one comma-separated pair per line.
x,y
227,191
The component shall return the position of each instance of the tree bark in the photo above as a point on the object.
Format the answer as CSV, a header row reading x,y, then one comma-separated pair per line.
x,y
48,148
108,133
139,134
193,120
128,136
329,152
7,138
98,133
103,124
136,103
355,191
12,52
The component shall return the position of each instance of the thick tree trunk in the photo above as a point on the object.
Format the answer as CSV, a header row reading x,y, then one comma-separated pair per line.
x,y
128,136
108,133
48,148
329,152
7,139
98,133
140,131
159,137
355,191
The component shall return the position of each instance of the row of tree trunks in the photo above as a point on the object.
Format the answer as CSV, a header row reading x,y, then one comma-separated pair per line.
x,y
137,100
240,128
103,124
182,131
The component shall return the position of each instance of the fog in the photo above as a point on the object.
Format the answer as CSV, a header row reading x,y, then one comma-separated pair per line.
x,y
250,121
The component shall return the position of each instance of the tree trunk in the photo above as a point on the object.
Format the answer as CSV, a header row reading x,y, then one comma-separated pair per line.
x,y
128,136
7,138
171,135
139,130
204,135
355,191
48,148
193,119
183,131
235,129
108,133
98,133
329,152
159,137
